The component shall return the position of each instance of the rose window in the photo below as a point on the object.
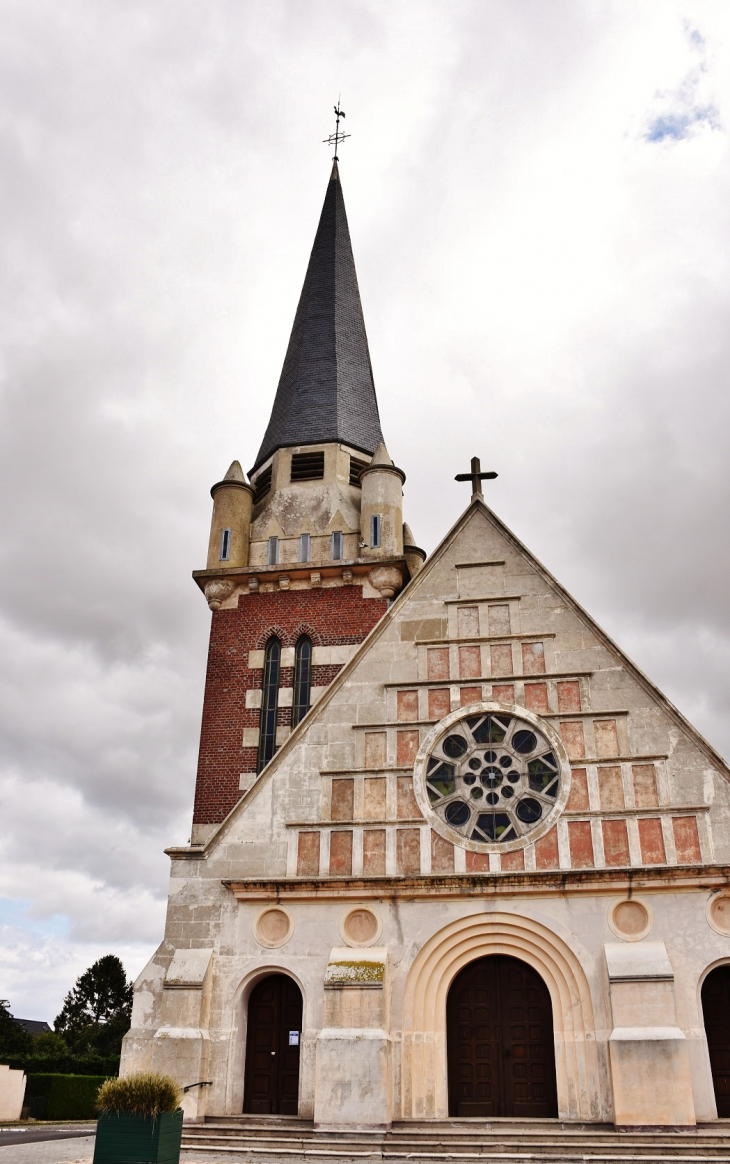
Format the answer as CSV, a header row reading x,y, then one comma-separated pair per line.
x,y
492,777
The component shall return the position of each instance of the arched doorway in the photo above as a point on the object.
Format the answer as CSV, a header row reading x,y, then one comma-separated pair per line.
x,y
499,1030
716,1011
271,1082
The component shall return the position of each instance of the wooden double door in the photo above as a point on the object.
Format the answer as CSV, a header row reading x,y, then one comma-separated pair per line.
x,y
501,1055
716,1011
271,1083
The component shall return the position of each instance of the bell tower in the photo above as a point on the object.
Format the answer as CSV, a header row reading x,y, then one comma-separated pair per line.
x,y
306,553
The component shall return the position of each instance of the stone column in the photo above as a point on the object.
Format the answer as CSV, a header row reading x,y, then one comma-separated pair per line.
x,y
181,1044
650,1073
12,1092
353,1088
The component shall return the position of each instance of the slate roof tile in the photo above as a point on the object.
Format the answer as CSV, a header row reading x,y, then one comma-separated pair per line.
x,y
326,390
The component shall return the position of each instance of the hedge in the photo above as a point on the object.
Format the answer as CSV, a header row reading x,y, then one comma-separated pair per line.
x,y
62,1097
64,1064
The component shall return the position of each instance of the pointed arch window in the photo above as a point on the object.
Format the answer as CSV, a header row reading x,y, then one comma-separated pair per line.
x,y
302,680
269,702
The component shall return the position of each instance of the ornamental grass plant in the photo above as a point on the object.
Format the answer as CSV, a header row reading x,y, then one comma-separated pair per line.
x,y
144,1093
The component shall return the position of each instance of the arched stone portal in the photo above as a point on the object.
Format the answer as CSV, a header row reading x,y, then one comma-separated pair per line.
x,y
716,1012
499,1031
273,1035
424,1089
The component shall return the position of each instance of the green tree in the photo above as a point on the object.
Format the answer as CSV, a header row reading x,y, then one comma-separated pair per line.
x,y
96,1014
50,1045
14,1040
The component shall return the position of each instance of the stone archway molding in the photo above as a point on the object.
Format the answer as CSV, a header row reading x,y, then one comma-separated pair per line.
x,y
424,1071
236,1005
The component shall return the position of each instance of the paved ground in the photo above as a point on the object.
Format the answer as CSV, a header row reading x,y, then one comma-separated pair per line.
x,y
76,1150
80,1150
32,1133
68,1144
71,1144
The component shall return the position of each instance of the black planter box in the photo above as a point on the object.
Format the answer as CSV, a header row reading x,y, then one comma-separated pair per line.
x,y
126,1138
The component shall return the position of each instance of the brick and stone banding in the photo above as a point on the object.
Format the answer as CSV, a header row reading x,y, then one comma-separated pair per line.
x,y
332,617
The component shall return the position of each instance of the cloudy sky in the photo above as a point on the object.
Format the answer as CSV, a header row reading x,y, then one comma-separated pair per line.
x,y
539,201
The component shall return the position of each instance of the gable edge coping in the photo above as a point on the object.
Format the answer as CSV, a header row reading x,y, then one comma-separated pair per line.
x,y
476,505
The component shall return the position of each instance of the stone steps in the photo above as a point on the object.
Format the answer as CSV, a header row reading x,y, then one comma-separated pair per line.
x,y
291,1139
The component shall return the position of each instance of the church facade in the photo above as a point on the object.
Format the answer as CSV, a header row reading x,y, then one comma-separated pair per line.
x,y
453,854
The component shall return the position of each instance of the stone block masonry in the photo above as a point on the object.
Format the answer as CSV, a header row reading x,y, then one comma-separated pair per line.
x,y
331,618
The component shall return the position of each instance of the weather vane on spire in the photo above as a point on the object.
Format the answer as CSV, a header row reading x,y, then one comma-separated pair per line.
x,y
336,137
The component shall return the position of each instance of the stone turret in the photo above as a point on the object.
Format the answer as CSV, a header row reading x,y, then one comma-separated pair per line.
x,y
381,509
414,555
230,526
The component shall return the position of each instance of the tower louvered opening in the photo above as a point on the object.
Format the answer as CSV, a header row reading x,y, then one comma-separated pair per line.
x,y
356,468
307,466
262,484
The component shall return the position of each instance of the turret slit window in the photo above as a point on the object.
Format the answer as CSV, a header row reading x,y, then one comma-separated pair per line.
x,y
269,702
337,546
375,532
225,545
305,548
302,680
272,552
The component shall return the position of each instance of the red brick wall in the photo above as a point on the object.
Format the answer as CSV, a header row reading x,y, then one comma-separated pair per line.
x,y
330,616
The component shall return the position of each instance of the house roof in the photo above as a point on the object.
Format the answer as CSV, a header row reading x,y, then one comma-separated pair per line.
x,y
326,391
33,1026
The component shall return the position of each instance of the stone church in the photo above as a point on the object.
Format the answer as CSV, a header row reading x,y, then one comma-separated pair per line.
x,y
453,855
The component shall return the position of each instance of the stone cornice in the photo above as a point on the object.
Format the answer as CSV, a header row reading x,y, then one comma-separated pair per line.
x,y
296,571
547,883
231,484
492,678
382,468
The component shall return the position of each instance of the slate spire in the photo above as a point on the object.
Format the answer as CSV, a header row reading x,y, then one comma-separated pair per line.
x,y
326,390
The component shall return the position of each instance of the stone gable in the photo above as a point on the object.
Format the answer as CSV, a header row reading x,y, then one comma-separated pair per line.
x,y
482,625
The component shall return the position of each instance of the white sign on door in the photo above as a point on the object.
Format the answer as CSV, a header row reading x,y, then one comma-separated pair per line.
x,y
293,1038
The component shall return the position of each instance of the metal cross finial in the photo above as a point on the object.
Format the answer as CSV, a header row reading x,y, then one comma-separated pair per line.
x,y
336,137
476,477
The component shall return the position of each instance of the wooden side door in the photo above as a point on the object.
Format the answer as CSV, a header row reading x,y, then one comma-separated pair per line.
x,y
271,1085
501,1058
290,1011
474,1042
528,1047
716,1011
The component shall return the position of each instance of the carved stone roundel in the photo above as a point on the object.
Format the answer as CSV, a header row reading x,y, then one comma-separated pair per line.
x,y
273,927
492,777
718,913
630,920
360,927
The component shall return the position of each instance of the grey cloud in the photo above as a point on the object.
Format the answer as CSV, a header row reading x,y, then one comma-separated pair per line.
x,y
540,285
